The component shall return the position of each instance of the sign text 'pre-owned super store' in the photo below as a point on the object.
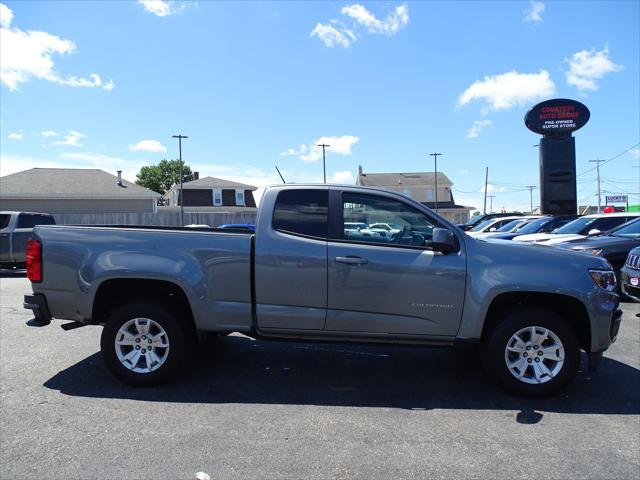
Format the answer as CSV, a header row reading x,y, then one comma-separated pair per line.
x,y
559,116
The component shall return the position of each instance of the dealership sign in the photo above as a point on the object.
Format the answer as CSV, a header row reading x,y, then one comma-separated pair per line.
x,y
616,199
559,116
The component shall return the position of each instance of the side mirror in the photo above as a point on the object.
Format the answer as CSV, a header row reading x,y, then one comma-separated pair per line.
x,y
593,232
444,240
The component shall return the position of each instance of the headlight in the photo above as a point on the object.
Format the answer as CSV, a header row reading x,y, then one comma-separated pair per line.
x,y
605,279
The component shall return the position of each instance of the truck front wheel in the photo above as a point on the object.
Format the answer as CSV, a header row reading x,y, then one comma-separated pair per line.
x,y
144,343
532,352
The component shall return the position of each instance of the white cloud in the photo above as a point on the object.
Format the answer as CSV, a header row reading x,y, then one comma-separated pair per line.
x,y
534,12
162,8
389,26
635,152
48,134
341,177
337,145
16,135
71,139
588,66
508,90
332,36
294,152
477,127
492,189
27,54
153,146
6,16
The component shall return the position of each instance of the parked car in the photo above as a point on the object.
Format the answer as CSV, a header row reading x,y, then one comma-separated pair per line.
x,y
359,230
512,226
299,276
544,224
614,245
491,225
588,225
15,229
630,275
385,229
478,219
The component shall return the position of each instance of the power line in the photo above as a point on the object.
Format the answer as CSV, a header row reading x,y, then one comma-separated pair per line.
x,y
609,160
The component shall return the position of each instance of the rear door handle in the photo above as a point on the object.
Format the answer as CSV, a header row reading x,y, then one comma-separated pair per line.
x,y
352,260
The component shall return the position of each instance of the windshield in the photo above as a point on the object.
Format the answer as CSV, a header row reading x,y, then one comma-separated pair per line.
x,y
577,226
628,230
511,225
481,225
534,226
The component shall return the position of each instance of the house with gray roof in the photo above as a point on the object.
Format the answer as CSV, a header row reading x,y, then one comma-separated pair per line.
x,y
211,193
420,186
74,190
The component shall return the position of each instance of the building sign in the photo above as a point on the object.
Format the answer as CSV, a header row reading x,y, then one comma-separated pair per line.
x,y
616,199
559,116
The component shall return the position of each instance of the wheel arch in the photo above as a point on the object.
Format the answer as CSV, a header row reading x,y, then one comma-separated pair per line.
x,y
116,292
570,308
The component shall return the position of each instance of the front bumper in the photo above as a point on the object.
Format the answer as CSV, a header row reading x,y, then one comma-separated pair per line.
x,y
627,275
37,303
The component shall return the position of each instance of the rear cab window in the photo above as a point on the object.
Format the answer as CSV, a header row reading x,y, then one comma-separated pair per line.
x,y
302,212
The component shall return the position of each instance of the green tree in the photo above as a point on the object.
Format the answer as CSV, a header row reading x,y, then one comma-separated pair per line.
x,y
162,176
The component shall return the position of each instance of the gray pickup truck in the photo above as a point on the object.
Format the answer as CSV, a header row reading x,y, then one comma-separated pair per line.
x,y
529,309
15,229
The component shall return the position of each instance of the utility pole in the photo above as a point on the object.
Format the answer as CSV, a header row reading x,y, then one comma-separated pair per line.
x,y
435,174
180,137
486,184
598,162
324,165
491,207
530,188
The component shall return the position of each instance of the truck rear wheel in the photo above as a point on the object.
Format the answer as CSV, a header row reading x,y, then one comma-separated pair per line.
x,y
144,343
532,352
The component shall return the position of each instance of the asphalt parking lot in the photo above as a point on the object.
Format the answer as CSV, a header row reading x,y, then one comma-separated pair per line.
x,y
252,409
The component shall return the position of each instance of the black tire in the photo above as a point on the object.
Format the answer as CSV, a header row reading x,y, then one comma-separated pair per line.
x,y
514,320
181,339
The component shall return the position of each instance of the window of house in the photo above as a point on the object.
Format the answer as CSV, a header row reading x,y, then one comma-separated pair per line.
x,y
302,212
240,198
430,196
217,197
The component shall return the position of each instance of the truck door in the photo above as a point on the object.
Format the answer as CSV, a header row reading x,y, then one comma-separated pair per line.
x,y
391,283
291,259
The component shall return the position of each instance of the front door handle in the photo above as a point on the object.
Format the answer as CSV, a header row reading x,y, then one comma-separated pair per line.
x,y
352,260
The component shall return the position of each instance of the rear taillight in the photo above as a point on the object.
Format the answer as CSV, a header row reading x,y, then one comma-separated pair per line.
x,y
34,260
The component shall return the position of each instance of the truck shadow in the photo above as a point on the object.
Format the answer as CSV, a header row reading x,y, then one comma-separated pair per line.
x,y
236,369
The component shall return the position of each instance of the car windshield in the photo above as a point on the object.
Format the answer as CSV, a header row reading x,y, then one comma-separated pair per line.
x,y
628,230
482,225
472,220
511,225
534,226
577,226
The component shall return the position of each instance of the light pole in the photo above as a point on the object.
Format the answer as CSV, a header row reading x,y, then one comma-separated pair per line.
x,y
530,188
180,137
435,174
324,166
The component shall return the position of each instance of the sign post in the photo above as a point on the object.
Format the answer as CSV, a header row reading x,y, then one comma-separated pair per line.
x,y
556,120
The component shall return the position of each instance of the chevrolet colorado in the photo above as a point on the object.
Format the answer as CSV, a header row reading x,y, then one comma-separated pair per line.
x,y
303,275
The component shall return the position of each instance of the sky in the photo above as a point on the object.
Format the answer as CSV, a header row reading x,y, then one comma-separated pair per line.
x,y
91,84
